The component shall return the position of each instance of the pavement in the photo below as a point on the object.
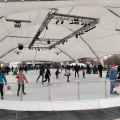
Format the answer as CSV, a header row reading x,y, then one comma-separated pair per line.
x,y
100,114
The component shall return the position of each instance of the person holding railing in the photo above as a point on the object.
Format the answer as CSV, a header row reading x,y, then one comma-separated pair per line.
x,y
21,77
2,77
112,78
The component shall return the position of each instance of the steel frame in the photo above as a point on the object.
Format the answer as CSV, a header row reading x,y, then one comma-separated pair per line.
x,y
89,23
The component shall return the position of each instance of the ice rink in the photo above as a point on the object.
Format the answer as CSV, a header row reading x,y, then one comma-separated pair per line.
x,y
89,88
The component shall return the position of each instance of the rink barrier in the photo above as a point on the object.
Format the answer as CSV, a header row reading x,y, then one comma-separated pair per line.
x,y
61,105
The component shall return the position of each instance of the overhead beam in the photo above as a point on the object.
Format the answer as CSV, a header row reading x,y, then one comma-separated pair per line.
x,y
39,39
66,54
46,39
19,37
1,17
13,20
113,12
67,17
89,47
8,52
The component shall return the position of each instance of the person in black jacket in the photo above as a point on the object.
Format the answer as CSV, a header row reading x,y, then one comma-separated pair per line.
x,y
100,67
76,70
118,68
47,75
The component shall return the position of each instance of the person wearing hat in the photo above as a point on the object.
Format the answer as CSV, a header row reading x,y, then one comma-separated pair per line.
x,y
112,78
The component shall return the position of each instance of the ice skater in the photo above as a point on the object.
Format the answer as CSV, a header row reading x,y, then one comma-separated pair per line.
x,y
47,75
21,77
83,73
57,74
42,70
67,74
2,77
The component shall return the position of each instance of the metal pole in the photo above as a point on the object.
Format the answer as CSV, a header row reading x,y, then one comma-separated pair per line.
x,y
16,115
105,90
21,90
78,91
49,91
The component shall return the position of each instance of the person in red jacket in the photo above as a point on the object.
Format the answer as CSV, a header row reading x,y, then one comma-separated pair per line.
x,y
21,77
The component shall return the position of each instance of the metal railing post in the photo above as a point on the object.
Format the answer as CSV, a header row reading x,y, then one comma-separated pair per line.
x,y
105,90
16,115
49,92
21,91
78,91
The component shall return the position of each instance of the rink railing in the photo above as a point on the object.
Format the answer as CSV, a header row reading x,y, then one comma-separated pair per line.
x,y
78,88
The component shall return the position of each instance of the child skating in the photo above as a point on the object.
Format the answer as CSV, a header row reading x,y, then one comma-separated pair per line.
x,y
67,74
83,73
57,74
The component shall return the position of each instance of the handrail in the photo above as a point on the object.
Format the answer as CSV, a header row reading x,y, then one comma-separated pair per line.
x,y
86,81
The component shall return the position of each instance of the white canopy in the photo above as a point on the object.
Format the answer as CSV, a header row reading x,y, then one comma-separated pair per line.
x,y
101,41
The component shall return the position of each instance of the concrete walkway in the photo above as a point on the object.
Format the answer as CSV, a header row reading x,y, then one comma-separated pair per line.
x,y
103,114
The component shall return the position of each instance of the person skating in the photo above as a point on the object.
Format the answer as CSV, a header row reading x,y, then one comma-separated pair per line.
x,y
83,73
25,69
21,77
67,74
47,75
76,70
57,74
12,68
41,73
100,67
2,77
112,78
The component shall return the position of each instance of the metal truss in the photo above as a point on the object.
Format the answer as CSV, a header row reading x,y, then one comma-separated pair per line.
x,y
89,23
42,27
77,32
46,39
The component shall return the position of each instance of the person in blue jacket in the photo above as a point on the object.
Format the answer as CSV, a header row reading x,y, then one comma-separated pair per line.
x,y
112,78
57,74
2,77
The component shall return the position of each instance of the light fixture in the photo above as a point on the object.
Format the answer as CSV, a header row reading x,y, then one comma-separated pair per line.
x,y
46,27
57,22
76,21
38,33
20,46
82,23
57,53
76,36
62,22
37,38
71,22
48,42
17,24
